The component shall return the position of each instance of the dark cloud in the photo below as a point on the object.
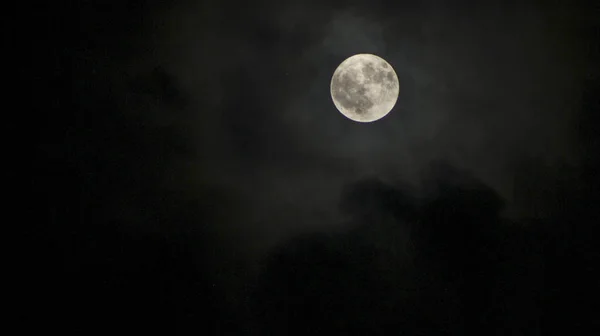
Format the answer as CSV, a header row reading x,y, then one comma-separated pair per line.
x,y
460,274
161,87
373,196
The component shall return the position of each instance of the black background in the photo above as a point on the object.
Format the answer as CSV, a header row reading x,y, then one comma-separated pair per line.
x,y
193,176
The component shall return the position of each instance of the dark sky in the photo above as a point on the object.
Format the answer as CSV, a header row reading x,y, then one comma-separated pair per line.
x,y
195,176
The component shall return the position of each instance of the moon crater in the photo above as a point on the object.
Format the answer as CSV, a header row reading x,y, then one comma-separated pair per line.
x,y
364,88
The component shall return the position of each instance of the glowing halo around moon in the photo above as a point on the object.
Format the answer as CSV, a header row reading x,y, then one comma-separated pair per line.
x,y
364,88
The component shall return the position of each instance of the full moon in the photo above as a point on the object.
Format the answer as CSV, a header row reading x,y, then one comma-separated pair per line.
x,y
364,88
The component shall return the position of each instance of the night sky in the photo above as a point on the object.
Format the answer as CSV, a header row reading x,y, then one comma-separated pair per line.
x,y
193,175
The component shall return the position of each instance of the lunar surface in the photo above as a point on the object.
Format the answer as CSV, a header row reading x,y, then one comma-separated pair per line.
x,y
364,88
